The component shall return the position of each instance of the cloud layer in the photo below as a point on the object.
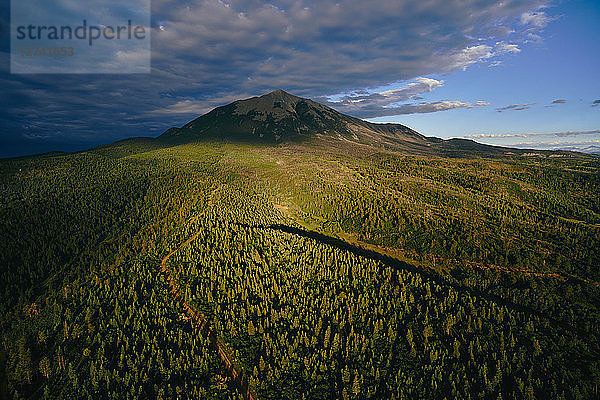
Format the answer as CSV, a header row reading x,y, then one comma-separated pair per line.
x,y
386,103
584,141
208,52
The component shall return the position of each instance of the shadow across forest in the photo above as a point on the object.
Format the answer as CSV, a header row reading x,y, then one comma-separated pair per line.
x,y
441,280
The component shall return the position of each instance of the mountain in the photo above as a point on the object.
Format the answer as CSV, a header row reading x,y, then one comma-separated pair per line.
x,y
279,116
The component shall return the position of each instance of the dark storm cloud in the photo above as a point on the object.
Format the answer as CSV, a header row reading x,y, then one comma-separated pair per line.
x,y
210,52
324,47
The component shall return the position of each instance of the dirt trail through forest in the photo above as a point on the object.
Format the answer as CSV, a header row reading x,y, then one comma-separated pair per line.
x,y
235,372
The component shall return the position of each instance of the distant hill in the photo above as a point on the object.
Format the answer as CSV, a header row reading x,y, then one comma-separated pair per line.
x,y
591,149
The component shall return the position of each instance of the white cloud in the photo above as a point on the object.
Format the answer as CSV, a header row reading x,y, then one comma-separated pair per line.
x,y
516,107
496,135
370,105
435,106
586,141
538,19
531,37
190,107
422,85
363,98
468,56
531,134
502,48
195,107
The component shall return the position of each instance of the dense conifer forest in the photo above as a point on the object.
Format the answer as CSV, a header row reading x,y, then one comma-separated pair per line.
x,y
315,270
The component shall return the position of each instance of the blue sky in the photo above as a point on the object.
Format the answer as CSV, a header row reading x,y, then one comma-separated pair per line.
x,y
517,72
562,68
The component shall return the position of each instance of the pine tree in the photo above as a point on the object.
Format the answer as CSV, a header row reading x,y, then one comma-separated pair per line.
x,y
356,385
346,376
456,348
536,347
261,364
45,367
336,343
345,394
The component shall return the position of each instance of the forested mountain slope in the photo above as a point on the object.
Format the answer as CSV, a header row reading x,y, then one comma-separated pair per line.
x,y
321,268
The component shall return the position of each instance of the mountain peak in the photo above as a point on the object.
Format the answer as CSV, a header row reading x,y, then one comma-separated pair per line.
x,y
279,116
277,104
281,96
278,92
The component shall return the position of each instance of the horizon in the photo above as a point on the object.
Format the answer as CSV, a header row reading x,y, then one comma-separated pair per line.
x,y
508,74
591,149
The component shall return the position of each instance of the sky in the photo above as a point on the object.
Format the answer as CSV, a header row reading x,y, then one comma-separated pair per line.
x,y
517,72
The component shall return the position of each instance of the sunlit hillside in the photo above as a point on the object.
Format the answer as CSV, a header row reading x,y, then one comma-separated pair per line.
x,y
321,269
